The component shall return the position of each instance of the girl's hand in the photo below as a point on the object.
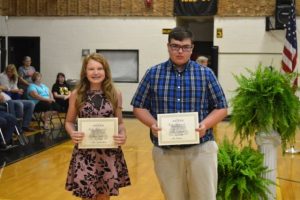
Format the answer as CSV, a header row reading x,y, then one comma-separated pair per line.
x,y
120,139
77,136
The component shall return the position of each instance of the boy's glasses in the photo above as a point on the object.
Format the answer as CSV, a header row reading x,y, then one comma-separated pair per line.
x,y
185,48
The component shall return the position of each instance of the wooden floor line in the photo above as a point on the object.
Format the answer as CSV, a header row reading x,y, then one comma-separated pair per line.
x,y
290,180
27,178
2,169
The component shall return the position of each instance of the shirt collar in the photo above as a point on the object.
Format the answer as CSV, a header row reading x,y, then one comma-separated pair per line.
x,y
172,66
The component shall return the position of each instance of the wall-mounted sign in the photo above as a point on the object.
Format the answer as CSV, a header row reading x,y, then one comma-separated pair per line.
x,y
166,30
219,33
195,7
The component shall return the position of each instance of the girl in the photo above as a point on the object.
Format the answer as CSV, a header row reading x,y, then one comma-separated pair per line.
x,y
96,173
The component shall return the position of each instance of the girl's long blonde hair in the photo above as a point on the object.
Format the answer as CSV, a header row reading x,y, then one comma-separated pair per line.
x,y
108,87
15,75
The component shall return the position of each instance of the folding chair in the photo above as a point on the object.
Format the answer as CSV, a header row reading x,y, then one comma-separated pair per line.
x,y
7,147
2,137
21,137
55,115
38,116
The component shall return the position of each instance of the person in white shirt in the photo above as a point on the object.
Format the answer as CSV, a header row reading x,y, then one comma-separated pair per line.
x,y
9,79
20,108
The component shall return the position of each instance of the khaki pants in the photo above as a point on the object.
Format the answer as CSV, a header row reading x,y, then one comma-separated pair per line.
x,y
189,173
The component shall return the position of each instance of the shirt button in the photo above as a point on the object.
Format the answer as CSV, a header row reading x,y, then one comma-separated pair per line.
x,y
178,99
178,87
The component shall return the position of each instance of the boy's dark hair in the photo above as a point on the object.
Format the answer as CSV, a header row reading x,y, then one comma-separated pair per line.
x,y
180,33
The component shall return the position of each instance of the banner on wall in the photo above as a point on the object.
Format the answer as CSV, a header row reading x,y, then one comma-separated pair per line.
x,y
195,7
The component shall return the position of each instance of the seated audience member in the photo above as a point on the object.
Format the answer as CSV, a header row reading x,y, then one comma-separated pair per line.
x,y
20,109
202,60
40,94
25,74
9,79
7,125
61,91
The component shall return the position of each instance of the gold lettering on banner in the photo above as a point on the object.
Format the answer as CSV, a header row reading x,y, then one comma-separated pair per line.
x,y
189,1
194,1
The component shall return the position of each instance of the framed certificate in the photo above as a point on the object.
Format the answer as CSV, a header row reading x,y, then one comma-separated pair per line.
x,y
178,128
98,132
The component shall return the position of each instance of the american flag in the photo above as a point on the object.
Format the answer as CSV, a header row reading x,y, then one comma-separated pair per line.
x,y
289,59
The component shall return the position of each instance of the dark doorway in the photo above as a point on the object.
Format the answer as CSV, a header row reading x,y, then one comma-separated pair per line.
x,y
208,50
18,47
2,53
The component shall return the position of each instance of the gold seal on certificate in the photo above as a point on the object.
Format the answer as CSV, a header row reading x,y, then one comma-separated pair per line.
x,y
178,128
98,132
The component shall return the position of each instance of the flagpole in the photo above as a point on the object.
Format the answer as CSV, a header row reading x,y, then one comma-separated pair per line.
x,y
290,53
292,149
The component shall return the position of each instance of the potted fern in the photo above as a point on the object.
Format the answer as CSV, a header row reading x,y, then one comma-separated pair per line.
x,y
266,107
240,173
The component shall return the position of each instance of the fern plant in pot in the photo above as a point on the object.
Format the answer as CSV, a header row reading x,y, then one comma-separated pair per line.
x,y
266,107
240,173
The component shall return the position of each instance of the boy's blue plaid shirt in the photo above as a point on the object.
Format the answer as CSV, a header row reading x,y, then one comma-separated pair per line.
x,y
165,90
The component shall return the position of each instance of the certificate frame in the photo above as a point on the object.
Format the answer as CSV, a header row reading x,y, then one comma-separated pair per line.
x,y
178,128
98,132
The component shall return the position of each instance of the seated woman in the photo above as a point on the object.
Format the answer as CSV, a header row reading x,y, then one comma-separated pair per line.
x,y
61,91
9,78
40,94
20,108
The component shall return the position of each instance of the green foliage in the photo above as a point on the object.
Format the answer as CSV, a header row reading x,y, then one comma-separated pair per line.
x,y
240,173
265,101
